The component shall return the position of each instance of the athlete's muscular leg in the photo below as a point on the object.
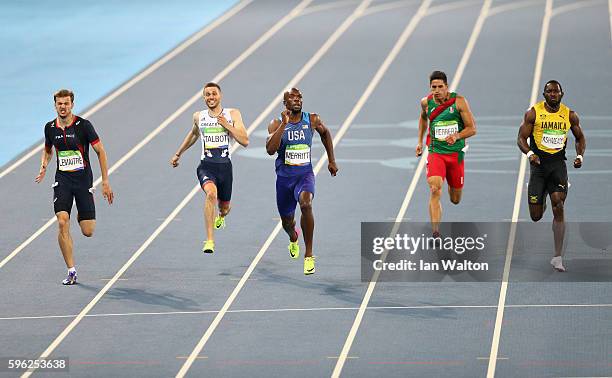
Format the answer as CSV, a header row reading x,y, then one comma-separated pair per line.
x,y
558,200
210,208
289,227
224,208
64,238
455,194
307,221
536,211
435,207
87,227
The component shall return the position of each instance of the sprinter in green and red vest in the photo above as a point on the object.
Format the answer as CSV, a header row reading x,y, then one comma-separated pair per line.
x,y
450,122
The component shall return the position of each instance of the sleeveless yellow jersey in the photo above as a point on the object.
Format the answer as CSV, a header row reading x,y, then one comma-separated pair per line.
x,y
549,136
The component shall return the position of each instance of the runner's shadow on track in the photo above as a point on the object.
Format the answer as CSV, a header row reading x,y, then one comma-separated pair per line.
x,y
162,299
352,294
420,313
343,291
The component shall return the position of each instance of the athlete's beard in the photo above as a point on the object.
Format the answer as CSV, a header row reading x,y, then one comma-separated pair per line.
x,y
553,104
216,106
296,112
441,98
65,118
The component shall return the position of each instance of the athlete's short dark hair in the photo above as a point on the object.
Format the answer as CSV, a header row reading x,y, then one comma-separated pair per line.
x,y
294,89
553,82
211,84
63,93
438,75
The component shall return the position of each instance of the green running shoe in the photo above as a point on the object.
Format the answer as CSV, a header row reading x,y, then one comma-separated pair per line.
x,y
219,222
309,265
209,246
294,247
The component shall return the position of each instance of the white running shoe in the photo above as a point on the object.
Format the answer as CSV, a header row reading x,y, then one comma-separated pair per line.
x,y
557,264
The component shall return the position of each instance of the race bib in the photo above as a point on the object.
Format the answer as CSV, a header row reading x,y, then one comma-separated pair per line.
x,y
443,129
297,154
215,137
70,161
553,139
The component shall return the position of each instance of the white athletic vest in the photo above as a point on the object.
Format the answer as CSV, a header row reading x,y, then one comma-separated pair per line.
x,y
214,137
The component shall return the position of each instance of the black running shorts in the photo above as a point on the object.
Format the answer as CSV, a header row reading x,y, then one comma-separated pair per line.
x,y
548,177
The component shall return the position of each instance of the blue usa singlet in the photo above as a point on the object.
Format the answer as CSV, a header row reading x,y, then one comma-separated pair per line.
x,y
293,157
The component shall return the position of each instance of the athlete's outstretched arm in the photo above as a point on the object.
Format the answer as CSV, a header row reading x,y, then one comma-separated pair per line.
x,y
525,132
580,139
276,128
189,140
237,130
422,127
44,162
327,140
107,192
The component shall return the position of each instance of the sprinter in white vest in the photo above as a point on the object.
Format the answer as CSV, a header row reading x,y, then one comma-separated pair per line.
x,y
214,127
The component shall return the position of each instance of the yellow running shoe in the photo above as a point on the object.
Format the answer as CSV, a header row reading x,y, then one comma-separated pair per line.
x,y
209,246
309,265
219,222
294,247
294,250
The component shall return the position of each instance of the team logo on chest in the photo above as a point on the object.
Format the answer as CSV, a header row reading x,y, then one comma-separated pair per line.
x,y
293,135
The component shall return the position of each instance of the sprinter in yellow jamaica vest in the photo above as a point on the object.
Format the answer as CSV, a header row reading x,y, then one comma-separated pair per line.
x,y
547,124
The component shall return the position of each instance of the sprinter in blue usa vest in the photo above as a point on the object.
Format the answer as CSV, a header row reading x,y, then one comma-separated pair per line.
x,y
291,138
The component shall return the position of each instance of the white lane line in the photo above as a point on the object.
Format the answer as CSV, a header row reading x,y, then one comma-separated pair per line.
x,y
328,6
517,197
388,6
149,70
451,6
575,6
610,11
514,5
366,299
286,19
314,309
235,63
209,331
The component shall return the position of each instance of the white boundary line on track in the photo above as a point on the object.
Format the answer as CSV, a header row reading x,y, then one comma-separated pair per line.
x,y
152,68
272,310
282,22
234,63
388,6
230,300
513,6
575,6
517,198
400,215
329,6
610,12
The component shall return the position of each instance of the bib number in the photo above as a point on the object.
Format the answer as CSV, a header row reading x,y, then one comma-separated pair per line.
x,y
553,140
70,161
215,137
297,154
441,131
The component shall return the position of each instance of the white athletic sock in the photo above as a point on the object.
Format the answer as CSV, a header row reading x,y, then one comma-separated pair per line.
x,y
71,270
